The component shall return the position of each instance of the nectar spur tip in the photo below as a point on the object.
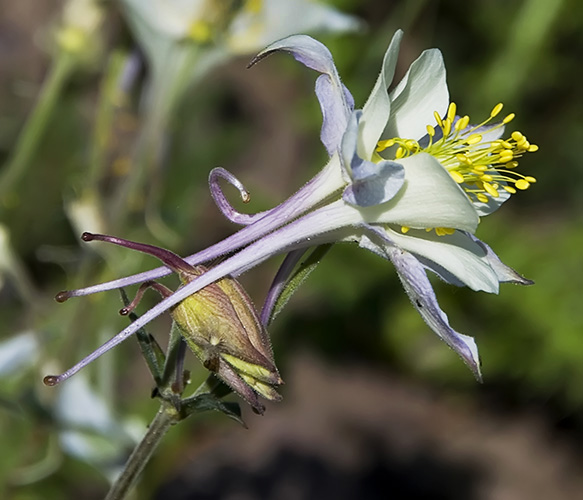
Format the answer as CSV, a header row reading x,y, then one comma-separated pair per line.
x,y
51,380
62,296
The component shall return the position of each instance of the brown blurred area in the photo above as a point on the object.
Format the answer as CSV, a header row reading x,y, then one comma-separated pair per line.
x,y
349,432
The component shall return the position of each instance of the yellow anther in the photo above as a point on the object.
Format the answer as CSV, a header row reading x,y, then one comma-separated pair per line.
x,y
405,229
480,166
446,127
456,176
382,145
496,110
491,190
473,139
451,109
522,184
463,122
442,231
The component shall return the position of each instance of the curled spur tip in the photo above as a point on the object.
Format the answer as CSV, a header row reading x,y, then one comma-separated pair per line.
x,y
221,201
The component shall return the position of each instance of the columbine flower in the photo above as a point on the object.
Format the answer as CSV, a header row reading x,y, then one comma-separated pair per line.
x,y
407,179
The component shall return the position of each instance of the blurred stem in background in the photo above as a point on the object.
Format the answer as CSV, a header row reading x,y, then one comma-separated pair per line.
x,y
34,128
525,39
76,42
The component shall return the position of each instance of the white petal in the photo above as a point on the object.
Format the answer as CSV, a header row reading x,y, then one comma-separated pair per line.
x,y
377,109
419,290
504,273
429,198
456,253
171,19
250,31
422,91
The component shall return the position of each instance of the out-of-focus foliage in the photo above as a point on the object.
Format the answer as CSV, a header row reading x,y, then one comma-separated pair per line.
x,y
264,125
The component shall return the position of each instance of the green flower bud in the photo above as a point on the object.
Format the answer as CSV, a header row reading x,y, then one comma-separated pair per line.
x,y
220,325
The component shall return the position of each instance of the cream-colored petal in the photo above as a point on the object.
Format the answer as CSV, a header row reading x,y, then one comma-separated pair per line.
x,y
422,91
377,109
456,253
429,198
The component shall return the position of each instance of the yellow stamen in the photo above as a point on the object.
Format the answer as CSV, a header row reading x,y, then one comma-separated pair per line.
x,y
442,231
452,108
459,178
490,189
496,110
405,229
473,139
480,166
508,118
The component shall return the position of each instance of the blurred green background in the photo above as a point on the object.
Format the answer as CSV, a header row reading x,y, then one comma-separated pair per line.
x,y
350,334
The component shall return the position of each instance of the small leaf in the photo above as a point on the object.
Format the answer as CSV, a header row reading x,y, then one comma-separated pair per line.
x,y
304,270
151,350
208,402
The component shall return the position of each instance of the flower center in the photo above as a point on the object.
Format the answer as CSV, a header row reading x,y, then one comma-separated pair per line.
x,y
481,166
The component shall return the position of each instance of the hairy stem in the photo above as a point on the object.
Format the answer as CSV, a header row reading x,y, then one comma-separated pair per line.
x,y
164,419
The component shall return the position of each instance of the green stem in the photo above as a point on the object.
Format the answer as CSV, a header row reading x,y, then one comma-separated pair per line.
x,y
35,126
141,455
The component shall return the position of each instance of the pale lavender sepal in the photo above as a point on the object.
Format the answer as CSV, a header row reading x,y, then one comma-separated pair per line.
x,y
335,112
420,292
304,49
335,99
504,273
418,287
372,183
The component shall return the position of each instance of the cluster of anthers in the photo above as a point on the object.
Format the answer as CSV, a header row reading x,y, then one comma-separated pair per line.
x,y
482,167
